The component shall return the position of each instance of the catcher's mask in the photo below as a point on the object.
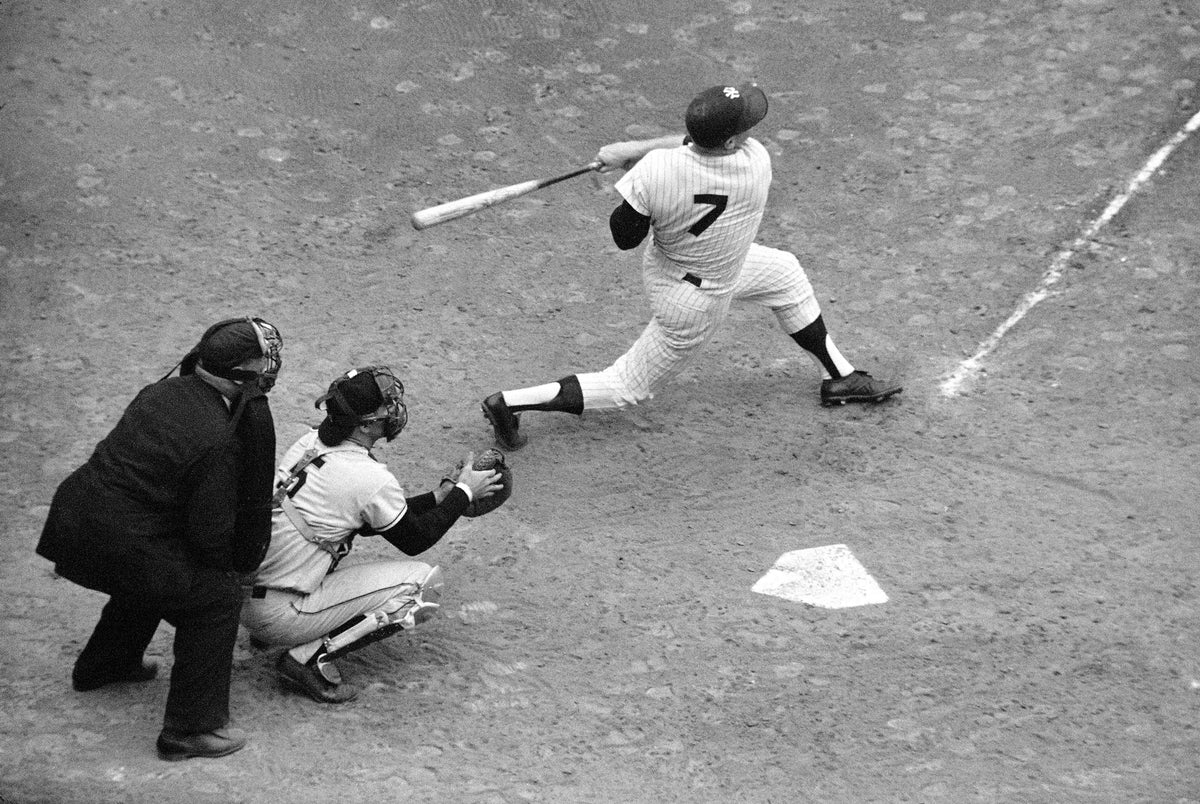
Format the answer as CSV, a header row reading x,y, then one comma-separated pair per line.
x,y
390,393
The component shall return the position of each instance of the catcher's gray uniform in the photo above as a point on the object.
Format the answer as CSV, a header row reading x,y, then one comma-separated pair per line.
x,y
344,491
330,489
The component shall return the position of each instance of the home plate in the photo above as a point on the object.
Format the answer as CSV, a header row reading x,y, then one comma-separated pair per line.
x,y
829,577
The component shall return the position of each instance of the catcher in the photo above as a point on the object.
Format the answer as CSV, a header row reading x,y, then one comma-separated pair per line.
x,y
329,489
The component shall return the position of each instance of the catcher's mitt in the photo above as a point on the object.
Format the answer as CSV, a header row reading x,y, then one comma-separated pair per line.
x,y
491,459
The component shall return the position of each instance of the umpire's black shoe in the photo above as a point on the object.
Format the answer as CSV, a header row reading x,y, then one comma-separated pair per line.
x,y
858,386
306,678
85,681
174,746
505,423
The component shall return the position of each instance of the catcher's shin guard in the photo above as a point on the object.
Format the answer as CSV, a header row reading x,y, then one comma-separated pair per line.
x,y
398,614
355,638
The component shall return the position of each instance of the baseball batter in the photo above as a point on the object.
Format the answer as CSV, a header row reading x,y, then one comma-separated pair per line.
x,y
702,197
329,489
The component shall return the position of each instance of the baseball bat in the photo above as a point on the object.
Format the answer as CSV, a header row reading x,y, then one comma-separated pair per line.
x,y
432,216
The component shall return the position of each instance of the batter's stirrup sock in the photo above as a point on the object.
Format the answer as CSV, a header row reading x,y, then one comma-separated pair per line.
x,y
569,399
814,339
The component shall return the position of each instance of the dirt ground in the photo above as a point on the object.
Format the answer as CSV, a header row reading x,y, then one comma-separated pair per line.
x,y
165,165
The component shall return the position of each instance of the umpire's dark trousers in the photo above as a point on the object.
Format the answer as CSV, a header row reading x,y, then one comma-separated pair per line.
x,y
206,628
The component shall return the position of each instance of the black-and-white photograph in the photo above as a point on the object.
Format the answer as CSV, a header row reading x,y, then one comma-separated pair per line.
x,y
593,401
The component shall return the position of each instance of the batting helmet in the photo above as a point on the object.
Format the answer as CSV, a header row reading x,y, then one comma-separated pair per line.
x,y
721,112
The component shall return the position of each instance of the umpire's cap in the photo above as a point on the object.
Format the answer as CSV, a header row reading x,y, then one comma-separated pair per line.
x,y
720,112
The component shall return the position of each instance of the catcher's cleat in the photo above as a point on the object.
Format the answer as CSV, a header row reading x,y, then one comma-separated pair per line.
x,y
307,678
858,386
504,422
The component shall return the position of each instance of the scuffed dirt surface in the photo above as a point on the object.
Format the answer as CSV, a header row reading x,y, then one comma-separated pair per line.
x,y
165,165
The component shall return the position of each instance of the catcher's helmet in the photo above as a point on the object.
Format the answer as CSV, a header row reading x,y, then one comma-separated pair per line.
x,y
354,398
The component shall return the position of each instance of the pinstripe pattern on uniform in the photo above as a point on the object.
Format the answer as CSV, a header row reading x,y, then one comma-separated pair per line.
x,y
664,186
685,318
774,279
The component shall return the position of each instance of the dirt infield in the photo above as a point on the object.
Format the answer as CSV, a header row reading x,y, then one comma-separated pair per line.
x,y
166,165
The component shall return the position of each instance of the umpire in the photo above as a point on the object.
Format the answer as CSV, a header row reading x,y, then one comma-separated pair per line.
x,y
168,512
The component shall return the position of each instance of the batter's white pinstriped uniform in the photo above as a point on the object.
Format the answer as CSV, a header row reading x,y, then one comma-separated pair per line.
x,y
704,210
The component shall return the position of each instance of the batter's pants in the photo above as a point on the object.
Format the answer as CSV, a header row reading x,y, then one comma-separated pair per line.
x,y
685,317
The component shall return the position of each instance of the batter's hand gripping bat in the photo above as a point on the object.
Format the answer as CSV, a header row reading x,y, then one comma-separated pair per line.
x,y
432,216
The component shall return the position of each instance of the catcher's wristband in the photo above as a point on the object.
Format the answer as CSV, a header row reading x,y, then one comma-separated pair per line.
x,y
466,489
451,476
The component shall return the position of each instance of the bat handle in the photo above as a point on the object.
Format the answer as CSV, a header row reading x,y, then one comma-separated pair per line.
x,y
596,165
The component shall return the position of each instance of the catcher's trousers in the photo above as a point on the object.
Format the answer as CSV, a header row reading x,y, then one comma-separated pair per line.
x,y
283,617
206,628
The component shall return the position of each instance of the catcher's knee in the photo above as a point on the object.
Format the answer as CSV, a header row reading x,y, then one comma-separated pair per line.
x,y
413,604
426,587
431,587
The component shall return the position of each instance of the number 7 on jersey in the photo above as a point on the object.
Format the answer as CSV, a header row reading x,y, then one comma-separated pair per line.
x,y
718,203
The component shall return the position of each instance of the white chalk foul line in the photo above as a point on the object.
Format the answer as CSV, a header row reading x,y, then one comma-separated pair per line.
x,y
969,367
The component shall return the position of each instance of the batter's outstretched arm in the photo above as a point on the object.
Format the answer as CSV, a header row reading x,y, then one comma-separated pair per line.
x,y
624,155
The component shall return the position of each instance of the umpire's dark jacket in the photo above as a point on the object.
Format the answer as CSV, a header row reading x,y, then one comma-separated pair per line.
x,y
159,497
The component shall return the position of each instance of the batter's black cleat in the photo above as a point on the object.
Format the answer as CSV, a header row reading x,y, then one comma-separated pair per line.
x,y
504,422
858,386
